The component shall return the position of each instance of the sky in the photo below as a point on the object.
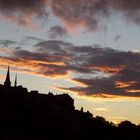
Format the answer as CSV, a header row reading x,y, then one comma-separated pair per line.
x,y
86,48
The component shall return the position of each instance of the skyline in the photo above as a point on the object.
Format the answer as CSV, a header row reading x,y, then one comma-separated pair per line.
x,y
89,49
97,106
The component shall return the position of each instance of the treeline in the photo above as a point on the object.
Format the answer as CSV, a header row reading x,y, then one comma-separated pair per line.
x,y
98,128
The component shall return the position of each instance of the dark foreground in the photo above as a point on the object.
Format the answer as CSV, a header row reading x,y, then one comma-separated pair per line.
x,y
34,117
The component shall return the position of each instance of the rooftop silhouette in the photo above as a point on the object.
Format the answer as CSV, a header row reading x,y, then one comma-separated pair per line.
x,y
18,91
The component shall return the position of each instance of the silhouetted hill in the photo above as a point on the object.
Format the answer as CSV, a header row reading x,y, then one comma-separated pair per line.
x,y
34,116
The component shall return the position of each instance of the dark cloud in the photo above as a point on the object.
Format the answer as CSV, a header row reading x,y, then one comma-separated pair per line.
x,y
29,38
104,71
117,38
97,86
123,80
27,6
90,13
23,12
87,13
6,43
57,31
106,87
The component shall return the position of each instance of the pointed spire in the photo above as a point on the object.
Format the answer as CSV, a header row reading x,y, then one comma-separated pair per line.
x,y
7,80
15,84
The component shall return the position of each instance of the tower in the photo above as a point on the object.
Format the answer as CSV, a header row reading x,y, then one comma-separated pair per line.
x,y
7,82
15,84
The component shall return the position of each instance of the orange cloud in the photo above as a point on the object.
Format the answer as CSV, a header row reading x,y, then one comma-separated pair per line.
x,y
109,69
55,59
133,91
33,67
120,84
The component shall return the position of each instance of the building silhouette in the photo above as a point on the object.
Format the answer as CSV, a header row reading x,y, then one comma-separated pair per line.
x,y
7,82
49,101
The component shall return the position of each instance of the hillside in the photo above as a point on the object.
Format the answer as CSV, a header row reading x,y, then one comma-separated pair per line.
x,y
39,117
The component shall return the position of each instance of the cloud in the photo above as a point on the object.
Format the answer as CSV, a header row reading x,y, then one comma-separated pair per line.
x,y
26,6
117,38
57,31
108,86
6,43
29,38
101,109
21,20
5,51
103,71
88,14
80,13
23,12
91,13
104,87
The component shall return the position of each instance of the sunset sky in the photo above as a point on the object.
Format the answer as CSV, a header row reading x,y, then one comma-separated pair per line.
x,y
87,48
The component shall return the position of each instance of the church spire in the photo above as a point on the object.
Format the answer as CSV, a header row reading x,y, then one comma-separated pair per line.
x,y
7,80
15,84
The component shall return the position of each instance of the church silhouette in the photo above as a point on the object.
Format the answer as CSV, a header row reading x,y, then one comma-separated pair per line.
x,y
32,115
62,101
